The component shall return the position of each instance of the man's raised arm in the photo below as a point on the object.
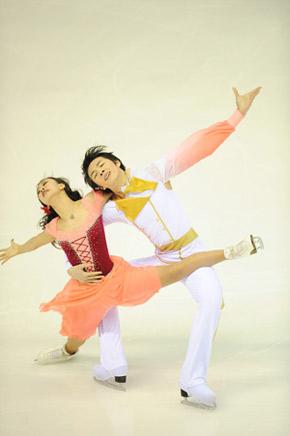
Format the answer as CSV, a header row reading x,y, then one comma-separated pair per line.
x,y
203,142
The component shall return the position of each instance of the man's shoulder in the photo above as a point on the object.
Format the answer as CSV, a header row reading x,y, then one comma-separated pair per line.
x,y
150,172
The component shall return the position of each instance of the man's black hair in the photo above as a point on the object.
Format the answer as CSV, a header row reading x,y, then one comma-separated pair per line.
x,y
91,154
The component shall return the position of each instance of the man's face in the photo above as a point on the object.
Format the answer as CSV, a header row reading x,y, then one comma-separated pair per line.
x,y
104,172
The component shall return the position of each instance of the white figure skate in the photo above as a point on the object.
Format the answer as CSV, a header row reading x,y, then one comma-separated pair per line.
x,y
199,396
248,246
115,379
53,356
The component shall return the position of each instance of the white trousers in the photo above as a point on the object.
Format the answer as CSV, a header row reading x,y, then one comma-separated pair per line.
x,y
205,289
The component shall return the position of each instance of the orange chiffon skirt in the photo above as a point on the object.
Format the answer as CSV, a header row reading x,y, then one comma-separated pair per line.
x,y
84,305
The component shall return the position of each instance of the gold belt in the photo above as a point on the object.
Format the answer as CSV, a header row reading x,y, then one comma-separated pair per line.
x,y
179,243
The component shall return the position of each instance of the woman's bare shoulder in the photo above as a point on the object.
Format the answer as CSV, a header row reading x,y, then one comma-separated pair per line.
x,y
97,196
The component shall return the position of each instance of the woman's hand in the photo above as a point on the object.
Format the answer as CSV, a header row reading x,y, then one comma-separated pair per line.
x,y
79,273
7,253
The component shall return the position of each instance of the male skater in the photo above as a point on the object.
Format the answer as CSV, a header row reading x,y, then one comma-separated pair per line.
x,y
144,198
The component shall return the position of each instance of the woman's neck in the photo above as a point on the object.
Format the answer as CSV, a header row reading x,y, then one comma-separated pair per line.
x,y
63,206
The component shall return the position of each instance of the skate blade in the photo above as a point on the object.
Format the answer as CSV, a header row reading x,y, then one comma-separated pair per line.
x,y
49,362
110,383
254,250
197,404
257,244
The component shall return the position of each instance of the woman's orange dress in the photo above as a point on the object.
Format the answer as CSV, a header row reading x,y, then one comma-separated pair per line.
x,y
84,305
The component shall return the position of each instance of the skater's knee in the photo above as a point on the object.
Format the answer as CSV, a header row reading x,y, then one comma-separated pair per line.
x,y
212,303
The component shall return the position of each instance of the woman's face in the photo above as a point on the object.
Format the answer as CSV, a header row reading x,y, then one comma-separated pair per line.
x,y
47,188
104,172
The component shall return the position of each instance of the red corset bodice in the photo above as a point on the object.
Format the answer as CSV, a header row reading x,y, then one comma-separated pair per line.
x,y
90,249
86,244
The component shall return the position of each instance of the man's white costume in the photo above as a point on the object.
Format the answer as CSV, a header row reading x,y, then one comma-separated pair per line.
x,y
153,208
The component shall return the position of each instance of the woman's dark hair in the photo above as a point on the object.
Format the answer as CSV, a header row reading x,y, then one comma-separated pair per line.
x,y
91,154
73,195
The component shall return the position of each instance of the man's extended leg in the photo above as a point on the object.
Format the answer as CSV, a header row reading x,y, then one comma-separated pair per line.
x,y
205,288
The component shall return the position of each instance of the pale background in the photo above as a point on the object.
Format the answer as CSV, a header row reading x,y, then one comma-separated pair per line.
x,y
140,76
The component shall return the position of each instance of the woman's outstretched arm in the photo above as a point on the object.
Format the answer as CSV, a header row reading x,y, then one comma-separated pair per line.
x,y
14,249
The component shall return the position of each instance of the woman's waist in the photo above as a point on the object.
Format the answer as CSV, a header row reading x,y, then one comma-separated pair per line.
x,y
102,264
107,287
110,269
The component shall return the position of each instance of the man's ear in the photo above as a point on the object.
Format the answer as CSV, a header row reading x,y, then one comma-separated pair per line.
x,y
61,185
118,163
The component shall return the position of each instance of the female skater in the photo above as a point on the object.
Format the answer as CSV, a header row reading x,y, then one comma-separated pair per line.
x,y
76,224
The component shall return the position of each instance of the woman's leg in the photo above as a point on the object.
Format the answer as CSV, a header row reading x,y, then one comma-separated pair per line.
x,y
177,271
173,273
73,344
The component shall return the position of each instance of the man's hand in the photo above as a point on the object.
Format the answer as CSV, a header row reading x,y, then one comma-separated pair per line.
x,y
7,253
78,273
245,101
